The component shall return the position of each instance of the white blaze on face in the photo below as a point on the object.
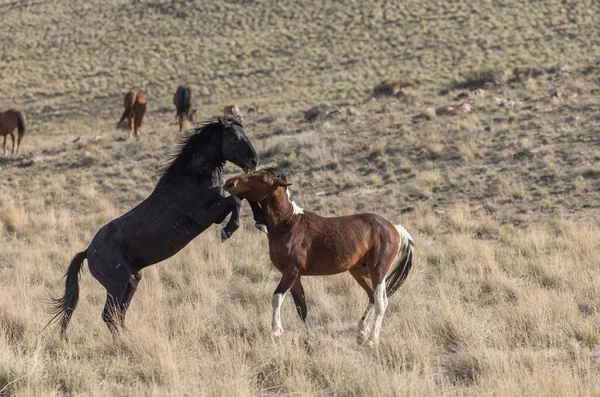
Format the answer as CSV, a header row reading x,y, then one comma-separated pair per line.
x,y
297,209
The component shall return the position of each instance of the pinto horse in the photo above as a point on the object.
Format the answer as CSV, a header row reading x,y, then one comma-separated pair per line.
x,y
9,120
135,107
187,199
302,243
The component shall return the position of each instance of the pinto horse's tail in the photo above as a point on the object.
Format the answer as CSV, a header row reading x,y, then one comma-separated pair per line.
x,y
63,307
402,263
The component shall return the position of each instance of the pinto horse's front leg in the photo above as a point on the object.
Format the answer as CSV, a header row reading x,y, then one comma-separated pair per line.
x,y
231,204
290,275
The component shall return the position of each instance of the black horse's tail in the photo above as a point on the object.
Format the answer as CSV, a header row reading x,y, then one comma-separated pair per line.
x,y
21,124
403,262
63,307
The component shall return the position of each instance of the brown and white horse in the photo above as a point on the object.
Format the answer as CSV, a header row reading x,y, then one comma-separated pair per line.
x,y
135,107
302,243
9,121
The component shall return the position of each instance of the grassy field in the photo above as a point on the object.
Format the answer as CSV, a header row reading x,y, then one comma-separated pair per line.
x,y
488,153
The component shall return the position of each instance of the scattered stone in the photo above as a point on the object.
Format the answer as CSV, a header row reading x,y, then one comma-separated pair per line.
x,y
352,112
451,110
280,131
464,108
556,95
505,103
317,113
444,110
27,163
253,109
477,93
338,113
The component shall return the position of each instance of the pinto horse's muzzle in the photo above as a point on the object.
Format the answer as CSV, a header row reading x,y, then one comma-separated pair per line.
x,y
229,186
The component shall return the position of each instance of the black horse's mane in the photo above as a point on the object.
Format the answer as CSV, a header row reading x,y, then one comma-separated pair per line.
x,y
191,144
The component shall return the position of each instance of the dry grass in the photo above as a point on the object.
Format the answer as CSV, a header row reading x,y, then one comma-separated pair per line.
x,y
502,201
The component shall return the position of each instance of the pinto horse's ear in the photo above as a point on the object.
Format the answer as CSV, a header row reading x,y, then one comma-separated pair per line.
x,y
283,183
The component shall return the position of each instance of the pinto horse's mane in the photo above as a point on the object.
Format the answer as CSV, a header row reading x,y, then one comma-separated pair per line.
x,y
190,144
275,171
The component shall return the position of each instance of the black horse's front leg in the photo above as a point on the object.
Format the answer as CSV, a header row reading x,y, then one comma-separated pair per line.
x,y
231,204
259,217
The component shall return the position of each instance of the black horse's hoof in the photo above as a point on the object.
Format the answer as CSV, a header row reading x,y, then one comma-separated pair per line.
x,y
224,235
261,227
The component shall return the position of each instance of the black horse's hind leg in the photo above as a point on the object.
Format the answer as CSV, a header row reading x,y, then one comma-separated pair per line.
x,y
112,315
112,269
129,292
259,217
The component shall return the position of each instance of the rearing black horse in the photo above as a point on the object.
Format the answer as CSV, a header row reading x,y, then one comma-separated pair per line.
x,y
187,199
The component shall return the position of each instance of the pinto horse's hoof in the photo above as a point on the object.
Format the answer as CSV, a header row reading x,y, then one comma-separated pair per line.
x,y
261,227
224,235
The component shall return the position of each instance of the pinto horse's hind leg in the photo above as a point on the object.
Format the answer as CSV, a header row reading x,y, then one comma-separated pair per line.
x,y
379,260
299,300
361,275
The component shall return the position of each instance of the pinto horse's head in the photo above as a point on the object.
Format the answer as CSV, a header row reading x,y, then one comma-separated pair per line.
x,y
236,146
256,186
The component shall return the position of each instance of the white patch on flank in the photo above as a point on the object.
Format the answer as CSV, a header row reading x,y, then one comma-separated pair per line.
x,y
297,209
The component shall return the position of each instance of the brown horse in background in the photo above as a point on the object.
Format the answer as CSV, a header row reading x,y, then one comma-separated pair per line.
x,y
135,107
302,243
184,103
9,120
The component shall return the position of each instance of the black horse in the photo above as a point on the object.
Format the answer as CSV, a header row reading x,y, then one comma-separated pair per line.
x,y
184,103
187,199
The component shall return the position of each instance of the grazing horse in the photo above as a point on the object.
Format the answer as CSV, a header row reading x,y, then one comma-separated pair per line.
x,y
135,107
9,120
183,101
187,199
302,243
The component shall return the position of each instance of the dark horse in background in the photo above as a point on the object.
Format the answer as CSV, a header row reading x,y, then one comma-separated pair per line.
x,y
183,101
9,121
188,198
135,107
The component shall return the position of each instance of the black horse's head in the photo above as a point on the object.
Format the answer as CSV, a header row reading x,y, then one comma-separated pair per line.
x,y
236,146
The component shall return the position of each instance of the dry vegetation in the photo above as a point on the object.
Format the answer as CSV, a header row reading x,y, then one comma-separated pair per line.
x,y
502,200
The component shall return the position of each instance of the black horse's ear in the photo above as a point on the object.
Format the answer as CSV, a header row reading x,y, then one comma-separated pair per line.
x,y
237,119
221,120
